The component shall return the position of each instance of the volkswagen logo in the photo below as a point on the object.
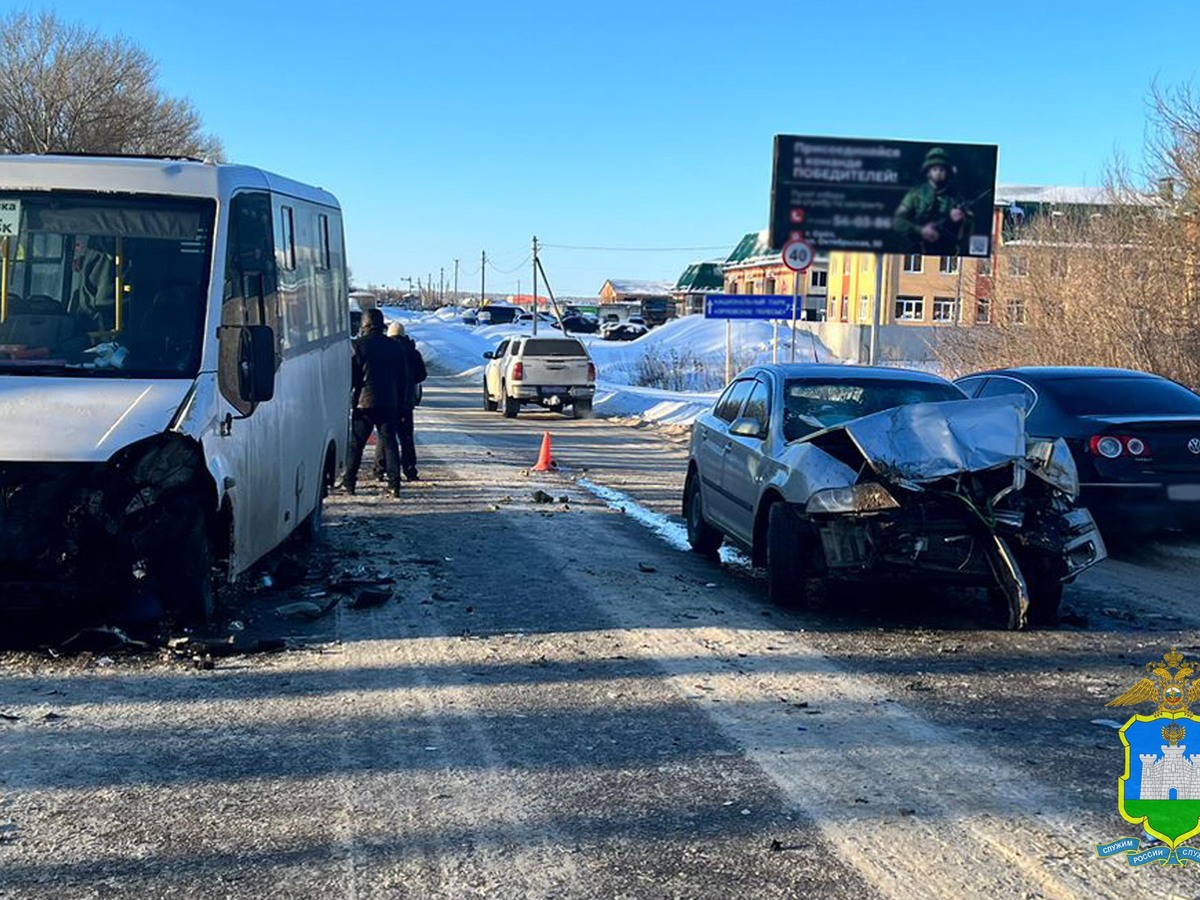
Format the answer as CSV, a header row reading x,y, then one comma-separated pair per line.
x,y
1194,445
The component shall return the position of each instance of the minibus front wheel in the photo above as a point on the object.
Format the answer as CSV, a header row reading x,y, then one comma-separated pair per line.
x,y
191,588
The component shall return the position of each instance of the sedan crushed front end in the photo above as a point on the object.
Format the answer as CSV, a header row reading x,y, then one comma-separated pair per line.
x,y
928,487
953,490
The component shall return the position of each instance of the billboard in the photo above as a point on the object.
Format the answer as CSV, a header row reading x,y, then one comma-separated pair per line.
x,y
931,198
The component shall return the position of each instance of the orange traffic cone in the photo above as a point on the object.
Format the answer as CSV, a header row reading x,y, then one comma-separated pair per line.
x,y
544,462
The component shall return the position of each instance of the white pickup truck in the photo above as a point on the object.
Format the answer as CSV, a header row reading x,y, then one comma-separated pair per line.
x,y
554,372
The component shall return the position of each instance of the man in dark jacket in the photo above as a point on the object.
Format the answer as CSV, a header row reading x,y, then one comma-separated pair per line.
x,y
380,379
414,366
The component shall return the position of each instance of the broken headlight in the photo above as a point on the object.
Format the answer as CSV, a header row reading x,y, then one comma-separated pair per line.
x,y
1052,462
870,497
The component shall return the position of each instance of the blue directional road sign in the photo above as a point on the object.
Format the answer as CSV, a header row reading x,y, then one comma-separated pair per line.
x,y
748,306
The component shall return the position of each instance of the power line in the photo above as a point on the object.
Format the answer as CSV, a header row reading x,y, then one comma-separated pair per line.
x,y
639,249
515,268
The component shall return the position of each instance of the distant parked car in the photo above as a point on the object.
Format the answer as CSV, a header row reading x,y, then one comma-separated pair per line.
x,y
494,314
471,317
861,473
544,319
580,324
1135,438
622,331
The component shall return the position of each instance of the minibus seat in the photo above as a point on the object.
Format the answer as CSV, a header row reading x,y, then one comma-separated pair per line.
x,y
164,331
37,331
36,304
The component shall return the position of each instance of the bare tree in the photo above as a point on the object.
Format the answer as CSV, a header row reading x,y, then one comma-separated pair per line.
x,y
64,88
1112,284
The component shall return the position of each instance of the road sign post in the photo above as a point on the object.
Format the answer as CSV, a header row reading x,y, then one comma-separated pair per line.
x,y
797,256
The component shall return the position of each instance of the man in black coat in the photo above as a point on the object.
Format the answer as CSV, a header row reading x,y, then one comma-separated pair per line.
x,y
380,379
417,373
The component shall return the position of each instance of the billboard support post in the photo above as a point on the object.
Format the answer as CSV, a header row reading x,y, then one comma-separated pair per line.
x,y
798,255
876,308
774,341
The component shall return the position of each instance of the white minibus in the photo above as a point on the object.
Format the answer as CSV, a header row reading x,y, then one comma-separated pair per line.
x,y
174,375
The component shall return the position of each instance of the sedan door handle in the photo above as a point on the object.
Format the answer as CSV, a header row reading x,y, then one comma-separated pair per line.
x,y
727,448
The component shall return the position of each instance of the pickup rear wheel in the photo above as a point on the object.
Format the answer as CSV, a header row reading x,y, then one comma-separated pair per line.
x,y
704,539
785,556
582,409
489,404
511,405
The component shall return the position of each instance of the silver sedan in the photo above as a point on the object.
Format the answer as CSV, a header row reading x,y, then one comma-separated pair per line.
x,y
861,473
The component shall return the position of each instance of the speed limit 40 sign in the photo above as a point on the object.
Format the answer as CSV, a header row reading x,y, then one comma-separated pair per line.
x,y
798,255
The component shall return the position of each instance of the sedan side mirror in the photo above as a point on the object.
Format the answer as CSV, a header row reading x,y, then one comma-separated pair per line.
x,y
748,426
488,354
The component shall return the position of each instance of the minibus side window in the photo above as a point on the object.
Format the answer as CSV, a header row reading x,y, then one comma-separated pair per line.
x,y
250,276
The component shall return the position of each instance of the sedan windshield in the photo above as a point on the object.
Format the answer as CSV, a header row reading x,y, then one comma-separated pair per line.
x,y
810,405
104,285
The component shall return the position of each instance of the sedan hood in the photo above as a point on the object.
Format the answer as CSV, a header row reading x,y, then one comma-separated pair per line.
x,y
82,419
927,441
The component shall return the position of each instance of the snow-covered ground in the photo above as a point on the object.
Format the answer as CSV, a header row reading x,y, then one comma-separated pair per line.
x,y
687,354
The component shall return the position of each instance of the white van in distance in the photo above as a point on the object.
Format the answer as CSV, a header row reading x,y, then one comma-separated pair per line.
x,y
174,375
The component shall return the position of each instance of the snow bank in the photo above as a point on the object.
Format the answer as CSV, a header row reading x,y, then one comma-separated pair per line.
x,y
690,352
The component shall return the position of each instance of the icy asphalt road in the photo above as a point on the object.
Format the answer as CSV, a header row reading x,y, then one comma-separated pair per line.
x,y
537,715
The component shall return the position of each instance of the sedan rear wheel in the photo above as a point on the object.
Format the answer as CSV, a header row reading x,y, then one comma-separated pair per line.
x,y
785,557
704,539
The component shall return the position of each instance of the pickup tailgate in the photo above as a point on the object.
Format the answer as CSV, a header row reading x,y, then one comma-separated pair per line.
x,y
567,371
557,362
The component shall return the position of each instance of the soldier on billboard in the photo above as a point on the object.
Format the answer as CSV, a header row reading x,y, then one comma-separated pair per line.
x,y
933,218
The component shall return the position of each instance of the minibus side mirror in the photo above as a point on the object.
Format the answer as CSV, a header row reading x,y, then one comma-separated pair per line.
x,y
247,364
256,363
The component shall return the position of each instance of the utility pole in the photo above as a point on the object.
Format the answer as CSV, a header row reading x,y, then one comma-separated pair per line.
x,y
535,265
456,281
442,286
482,276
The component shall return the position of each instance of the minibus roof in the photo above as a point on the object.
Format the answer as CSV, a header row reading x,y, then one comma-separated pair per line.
x,y
147,175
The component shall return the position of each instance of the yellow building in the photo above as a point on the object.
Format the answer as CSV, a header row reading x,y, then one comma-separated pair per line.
x,y
917,290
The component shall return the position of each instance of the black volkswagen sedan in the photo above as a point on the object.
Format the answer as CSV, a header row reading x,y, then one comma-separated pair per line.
x,y
1135,438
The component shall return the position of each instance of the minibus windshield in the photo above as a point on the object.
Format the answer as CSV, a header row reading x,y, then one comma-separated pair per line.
x,y
103,284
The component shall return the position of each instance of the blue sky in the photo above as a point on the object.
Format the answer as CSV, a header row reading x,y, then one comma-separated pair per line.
x,y
454,127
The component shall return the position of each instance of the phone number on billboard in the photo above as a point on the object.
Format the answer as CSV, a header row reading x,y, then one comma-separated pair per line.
x,y
862,222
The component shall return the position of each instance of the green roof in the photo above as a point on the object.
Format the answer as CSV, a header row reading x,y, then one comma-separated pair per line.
x,y
750,247
705,276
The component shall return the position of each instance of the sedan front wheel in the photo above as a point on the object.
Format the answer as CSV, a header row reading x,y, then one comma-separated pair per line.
x,y
785,557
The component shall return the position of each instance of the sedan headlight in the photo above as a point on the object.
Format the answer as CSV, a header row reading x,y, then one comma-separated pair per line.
x,y
859,498
1052,462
